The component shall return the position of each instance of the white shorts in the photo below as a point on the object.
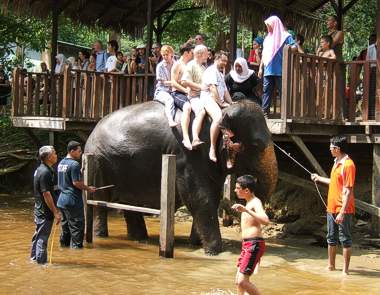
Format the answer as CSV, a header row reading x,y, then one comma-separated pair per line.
x,y
196,105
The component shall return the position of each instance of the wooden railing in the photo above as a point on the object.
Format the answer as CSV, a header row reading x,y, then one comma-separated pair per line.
x,y
360,90
312,88
77,94
321,90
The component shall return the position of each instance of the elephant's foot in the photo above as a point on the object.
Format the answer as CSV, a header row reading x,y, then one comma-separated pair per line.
x,y
135,226
213,248
195,238
100,222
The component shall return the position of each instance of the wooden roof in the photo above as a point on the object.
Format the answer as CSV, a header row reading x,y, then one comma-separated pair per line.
x,y
130,15
119,15
299,14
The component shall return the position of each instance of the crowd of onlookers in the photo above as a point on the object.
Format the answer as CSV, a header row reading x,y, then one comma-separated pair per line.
x,y
265,59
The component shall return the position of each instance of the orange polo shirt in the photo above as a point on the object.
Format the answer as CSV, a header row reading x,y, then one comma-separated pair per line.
x,y
338,180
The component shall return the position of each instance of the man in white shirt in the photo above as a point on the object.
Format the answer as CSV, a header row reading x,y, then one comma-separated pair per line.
x,y
111,62
215,96
192,79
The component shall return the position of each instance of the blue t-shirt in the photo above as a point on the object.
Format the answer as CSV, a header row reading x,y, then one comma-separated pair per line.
x,y
274,68
69,172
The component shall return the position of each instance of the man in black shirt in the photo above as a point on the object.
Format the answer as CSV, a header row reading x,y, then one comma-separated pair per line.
x,y
44,209
70,199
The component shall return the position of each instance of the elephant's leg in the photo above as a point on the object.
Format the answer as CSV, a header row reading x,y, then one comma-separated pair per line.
x,y
100,222
206,221
195,238
135,225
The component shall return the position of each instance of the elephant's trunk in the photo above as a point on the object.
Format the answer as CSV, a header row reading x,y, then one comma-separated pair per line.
x,y
267,172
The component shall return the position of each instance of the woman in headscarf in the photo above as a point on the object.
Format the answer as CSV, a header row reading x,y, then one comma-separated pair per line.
x,y
255,53
271,62
60,63
241,81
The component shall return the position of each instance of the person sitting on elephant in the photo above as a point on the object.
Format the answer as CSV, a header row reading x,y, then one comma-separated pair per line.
x,y
215,96
164,83
180,92
192,79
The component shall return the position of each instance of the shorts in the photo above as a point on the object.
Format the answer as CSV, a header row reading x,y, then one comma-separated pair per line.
x,y
341,232
179,99
196,105
251,251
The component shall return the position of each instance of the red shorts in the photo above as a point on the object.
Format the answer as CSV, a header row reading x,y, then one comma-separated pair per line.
x,y
251,252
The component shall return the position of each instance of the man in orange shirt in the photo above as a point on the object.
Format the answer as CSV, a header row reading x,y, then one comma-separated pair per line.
x,y
340,202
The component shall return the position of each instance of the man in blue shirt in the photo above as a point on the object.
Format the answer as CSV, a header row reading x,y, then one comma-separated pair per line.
x,y
101,56
70,199
44,208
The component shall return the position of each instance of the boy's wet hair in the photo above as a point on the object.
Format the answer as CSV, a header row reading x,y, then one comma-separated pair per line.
x,y
340,142
187,47
73,146
247,181
327,39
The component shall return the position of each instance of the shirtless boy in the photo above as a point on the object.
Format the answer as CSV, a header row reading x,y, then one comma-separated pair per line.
x,y
253,244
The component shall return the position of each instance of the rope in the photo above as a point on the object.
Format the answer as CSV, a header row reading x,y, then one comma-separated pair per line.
x,y
52,241
304,168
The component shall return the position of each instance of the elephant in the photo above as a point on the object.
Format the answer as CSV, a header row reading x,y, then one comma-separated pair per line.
x,y
128,145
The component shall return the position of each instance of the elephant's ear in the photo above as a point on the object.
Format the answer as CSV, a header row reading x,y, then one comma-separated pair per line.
x,y
225,122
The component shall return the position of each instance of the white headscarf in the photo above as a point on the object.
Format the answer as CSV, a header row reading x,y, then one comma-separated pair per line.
x,y
59,67
244,75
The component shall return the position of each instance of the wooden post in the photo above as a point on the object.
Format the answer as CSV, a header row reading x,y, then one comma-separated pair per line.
x,y
167,205
375,220
148,44
51,138
233,29
54,33
15,91
377,103
286,82
88,177
310,157
228,192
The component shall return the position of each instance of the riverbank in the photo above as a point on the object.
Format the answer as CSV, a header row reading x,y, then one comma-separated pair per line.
x,y
120,266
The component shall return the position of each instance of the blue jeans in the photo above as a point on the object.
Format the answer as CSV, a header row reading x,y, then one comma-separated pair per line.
x,y
341,232
40,239
268,88
72,227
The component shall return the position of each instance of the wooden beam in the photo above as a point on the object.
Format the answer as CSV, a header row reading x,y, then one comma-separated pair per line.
x,y
233,28
168,176
149,24
377,103
308,185
309,156
185,9
123,207
349,5
375,224
334,5
320,5
160,10
339,14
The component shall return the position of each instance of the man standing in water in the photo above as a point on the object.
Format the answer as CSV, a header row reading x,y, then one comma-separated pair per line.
x,y
340,202
44,209
70,199
253,245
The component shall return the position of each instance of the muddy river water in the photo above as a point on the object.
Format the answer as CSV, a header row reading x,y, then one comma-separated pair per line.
x,y
119,266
